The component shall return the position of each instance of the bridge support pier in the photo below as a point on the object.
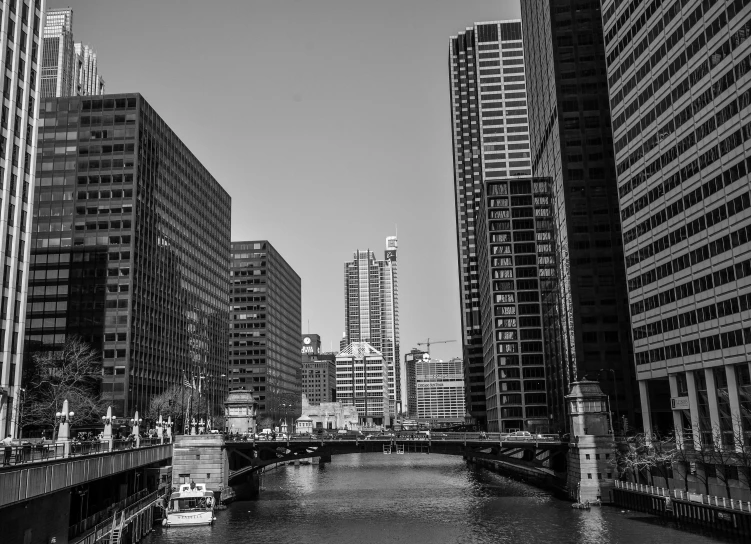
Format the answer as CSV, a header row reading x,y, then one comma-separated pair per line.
x,y
324,458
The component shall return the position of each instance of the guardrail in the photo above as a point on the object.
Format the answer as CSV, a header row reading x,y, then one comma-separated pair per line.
x,y
131,507
709,500
105,516
399,435
40,452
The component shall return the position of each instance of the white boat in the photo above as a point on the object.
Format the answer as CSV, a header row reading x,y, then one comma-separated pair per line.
x,y
191,504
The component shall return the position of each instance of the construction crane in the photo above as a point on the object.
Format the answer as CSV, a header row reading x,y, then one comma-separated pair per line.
x,y
428,342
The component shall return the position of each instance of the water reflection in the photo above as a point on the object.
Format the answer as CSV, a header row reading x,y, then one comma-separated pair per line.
x,y
414,499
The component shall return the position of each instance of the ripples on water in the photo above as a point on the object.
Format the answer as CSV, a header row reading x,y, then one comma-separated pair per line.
x,y
414,499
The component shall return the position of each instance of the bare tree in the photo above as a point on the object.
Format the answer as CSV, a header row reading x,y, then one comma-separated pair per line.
x,y
74,373
174,402
632,457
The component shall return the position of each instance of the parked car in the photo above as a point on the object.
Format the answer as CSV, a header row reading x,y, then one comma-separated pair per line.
x,y
524,435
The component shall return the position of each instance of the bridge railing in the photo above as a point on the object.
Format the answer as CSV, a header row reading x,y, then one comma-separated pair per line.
x,y
40,452
31,453
402,435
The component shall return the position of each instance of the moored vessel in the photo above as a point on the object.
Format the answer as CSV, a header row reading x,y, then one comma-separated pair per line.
x,y
191,504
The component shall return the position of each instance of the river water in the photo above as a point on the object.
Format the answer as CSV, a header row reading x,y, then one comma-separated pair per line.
x,y
415,499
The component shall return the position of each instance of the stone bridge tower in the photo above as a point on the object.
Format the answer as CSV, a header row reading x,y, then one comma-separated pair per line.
x,y
591,451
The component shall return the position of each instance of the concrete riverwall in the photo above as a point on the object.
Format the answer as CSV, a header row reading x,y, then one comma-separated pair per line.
x,y
732,518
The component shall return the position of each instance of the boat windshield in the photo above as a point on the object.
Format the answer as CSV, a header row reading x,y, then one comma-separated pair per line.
x,y
193,503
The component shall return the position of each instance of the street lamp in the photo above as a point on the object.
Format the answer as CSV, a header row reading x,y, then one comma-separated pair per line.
x,y
62,417
109,420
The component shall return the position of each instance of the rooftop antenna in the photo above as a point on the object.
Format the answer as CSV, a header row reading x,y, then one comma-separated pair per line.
x,y
308,326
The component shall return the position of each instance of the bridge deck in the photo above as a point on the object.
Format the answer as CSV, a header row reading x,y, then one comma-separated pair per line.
x,y
26,481
535,453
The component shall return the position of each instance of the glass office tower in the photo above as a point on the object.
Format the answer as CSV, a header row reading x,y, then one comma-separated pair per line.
x,y
680,90
516,264
21,47
265,328
586,325
130,249
491,141
371,312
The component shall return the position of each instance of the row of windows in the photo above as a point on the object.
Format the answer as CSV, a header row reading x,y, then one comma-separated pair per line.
x,y
731,174
720,84
695,256
693,228
716,342
643,46
702,101
680,60
693,287
692,317
691,168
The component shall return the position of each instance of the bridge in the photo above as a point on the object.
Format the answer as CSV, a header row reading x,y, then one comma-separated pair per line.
x,y
64,491
542,458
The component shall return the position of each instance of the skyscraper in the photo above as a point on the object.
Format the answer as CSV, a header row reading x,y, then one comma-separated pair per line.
x,y
130,249
516,265
68,68
681,128
265,328
586,321
21,43
371,311
491,141
58,53
86,78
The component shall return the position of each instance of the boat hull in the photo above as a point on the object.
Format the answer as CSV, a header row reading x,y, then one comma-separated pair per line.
x,y
180,519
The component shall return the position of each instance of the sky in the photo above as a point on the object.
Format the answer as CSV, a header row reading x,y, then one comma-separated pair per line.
x,y
327,122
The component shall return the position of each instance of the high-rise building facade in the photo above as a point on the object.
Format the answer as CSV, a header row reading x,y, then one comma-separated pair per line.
x,y
58,53
680,93
265,328
86,78
371,311
363,381
490,137
439,389
130,249
410,377
319,378
586,322
516,265
20,43
68,68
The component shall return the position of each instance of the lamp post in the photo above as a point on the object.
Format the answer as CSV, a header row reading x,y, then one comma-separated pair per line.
x,y
63,430
285,405
135,423
108,420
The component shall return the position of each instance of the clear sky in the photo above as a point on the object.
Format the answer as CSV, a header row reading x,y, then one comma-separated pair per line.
x,y
327,121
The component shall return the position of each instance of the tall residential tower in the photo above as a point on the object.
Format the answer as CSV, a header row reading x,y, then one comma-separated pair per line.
x,y
21,47
490,141
371,312
68,68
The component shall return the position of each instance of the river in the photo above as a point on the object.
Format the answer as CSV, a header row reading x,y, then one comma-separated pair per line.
x,y
415,499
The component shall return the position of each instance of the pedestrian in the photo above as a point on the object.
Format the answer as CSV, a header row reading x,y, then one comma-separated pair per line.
x,y
7,443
